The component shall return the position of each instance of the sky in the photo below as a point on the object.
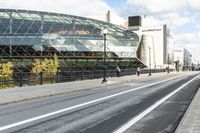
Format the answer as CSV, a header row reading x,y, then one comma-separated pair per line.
x,y
181,16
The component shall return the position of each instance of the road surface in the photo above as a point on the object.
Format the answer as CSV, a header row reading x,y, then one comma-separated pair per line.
x,y
145,106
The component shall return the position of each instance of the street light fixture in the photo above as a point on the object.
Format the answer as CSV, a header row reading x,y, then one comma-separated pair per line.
x,y
104,32
168,63
149,61
178,65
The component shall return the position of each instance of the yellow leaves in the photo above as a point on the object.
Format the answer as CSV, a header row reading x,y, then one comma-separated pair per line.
x,y
38,66
6,73
6,70
47,66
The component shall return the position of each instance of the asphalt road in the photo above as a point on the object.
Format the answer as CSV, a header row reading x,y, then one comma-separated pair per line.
x,y
148,106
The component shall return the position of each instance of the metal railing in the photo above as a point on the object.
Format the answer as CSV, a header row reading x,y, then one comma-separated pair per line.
x,y
29,79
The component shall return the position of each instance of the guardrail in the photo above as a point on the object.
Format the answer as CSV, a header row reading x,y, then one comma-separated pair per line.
x,y
29,79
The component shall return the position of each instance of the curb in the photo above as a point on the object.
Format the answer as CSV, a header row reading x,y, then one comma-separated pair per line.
x,y
181,125
65,91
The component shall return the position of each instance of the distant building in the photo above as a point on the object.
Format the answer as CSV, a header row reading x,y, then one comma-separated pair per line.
x,y
156,42
109,17
182,59
195,64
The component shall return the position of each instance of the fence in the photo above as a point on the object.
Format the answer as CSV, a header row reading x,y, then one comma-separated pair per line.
x,y
28,79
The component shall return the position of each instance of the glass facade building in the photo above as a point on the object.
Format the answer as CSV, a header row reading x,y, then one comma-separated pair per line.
x,y
78,42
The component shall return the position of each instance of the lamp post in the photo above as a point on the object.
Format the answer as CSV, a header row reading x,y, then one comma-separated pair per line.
x,y
178,65
149,61
168,63
104,32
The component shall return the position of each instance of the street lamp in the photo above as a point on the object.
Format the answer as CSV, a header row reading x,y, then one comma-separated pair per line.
x,y
178,64
168,63
104,32
149,61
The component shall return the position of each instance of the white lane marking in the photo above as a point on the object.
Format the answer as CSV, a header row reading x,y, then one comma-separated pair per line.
x,y
80,105
151,108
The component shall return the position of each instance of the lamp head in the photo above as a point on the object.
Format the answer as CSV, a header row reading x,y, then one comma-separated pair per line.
x,y
105,31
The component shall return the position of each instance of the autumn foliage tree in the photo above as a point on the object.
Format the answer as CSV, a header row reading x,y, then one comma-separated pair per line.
x,y
48,67
6,70
51,66
6,73
38,66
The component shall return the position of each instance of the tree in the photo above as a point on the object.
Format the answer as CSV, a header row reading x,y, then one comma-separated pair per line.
x,y
49,67
6,70
38,66
6,73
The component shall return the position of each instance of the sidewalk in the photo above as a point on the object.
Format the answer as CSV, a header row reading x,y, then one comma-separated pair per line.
x,y
191,120
32,92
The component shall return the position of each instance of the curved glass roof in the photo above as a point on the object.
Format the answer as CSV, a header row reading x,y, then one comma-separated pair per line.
x,y
42,30
26,22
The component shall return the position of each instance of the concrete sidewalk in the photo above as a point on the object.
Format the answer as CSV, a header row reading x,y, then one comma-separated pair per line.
x,y
191,120
32,92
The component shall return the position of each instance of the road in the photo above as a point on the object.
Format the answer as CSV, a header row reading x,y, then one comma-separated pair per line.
x,y
146,106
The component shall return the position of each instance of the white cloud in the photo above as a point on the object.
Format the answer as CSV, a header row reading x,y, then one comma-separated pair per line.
x,y
175,20
155,6
75,7
164,6
195,4
186,38
150,21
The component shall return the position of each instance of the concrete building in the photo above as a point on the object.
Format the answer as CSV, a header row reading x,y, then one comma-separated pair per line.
x,y
195,64
182,59
157,43
109,17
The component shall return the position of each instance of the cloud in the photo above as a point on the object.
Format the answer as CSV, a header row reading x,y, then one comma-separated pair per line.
x,y
75,7
175,20
150,21
155,6
194,4
164,6
186,38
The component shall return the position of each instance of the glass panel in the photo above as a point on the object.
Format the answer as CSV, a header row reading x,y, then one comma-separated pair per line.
x,y
16,16
66,33
4,15
29,16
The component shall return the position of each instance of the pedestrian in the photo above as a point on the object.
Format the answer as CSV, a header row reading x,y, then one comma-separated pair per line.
x,y
167,69
118,71
138,71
